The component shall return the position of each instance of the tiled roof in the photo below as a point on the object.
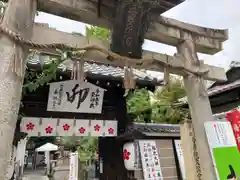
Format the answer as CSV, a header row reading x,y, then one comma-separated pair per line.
x,y
216,90
223,88
139,130
234,64
97,69
156,128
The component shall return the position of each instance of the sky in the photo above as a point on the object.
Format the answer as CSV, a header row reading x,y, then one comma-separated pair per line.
x,y
222,14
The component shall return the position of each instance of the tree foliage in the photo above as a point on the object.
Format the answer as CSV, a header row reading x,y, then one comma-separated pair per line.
x,y
98,33
34,80
163,109
138,104
86,146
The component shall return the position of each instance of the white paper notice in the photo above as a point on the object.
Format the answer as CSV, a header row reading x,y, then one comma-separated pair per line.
x,y
73,171
180,158
150,160
219,134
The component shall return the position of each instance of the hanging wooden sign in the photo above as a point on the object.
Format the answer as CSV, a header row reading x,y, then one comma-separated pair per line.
x,y
35,126
75,96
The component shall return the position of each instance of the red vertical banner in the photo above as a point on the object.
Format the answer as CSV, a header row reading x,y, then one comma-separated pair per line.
x,y
234,118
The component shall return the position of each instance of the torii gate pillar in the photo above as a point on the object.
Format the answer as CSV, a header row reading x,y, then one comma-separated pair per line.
x,y
19,17
200,108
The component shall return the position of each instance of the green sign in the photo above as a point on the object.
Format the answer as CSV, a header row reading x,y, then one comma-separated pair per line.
x,y
227,160
223,147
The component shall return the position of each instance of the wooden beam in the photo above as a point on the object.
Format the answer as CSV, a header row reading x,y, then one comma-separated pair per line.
x,y
164,30
49,35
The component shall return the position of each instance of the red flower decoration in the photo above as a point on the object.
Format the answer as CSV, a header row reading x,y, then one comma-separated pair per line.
x,y
126,154
97,127
30,126
66,127
82,130
48,129
110,130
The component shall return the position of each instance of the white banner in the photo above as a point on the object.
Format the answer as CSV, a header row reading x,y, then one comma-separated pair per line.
x,y
150,160
73,171
35,126
75,96
180,158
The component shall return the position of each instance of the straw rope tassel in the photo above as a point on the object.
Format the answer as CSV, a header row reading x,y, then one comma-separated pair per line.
x,y
81,74
166,74
18,66
202,90
74,71
132,78
129,81
78,66
126,80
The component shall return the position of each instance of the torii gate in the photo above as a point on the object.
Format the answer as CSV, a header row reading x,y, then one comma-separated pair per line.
x,y
189,39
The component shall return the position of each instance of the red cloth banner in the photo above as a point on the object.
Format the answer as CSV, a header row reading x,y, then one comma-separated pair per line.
x,y
234,118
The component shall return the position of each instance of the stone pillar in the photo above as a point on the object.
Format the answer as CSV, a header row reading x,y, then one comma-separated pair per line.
x,y
19,17
199,105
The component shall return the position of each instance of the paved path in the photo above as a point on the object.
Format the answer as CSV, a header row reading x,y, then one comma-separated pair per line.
x,y
33,177
30,174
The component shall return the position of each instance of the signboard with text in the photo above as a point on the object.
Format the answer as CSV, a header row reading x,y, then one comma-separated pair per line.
x,y
75,96
73,169
150,160
224,150
180,158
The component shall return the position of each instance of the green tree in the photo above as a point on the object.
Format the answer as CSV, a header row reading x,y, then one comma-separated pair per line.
x,y
86,146
163,109
138,104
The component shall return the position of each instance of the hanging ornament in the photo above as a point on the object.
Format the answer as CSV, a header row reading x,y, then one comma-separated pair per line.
x,y
78,69
129,156
129,80
166,74
18,62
